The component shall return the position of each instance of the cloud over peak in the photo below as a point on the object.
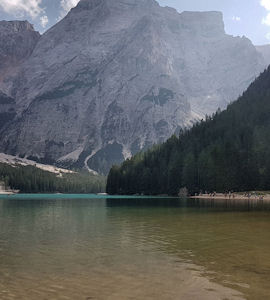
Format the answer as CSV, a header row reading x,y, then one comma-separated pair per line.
x,y
25,8
66,6
35,9
266,19
236,19
44,21
21,8
265,4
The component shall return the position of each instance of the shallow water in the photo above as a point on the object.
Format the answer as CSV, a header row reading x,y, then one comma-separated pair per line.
x,y
89,247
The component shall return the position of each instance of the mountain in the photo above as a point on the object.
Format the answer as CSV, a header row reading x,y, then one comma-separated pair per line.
x,y
227,152
17,42
18,161
265,52
115,77
26,176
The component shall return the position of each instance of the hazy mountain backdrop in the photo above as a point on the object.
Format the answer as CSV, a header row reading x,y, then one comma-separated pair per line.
x,y
114,77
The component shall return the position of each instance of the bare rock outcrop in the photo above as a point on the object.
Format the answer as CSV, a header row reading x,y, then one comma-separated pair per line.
x,y
114,77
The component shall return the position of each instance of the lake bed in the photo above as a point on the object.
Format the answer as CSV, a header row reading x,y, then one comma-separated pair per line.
x,y
97,247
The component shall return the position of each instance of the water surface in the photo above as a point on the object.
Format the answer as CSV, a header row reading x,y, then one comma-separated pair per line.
x,y
93,247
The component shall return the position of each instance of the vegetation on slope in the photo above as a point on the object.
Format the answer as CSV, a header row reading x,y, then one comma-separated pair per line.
x,y
228,151
29,179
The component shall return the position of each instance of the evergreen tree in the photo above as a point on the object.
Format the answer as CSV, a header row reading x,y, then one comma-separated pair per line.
x,y
227,151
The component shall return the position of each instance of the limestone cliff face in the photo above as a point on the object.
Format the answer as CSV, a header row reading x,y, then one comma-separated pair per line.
x,y
114,77
265,52
17,41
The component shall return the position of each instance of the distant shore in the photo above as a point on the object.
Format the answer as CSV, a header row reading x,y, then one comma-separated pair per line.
x,y
8,193
6,190
258,196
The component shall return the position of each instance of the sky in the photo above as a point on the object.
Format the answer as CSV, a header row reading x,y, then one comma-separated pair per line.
x,y
250,18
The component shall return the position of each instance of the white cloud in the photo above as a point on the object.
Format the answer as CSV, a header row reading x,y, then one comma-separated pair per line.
x,y
265,4
20,8
66,6
266,20
268,36
237,19
44,21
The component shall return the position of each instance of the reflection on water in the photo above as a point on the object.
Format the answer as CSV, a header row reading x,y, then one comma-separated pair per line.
x,y
198,204
133,248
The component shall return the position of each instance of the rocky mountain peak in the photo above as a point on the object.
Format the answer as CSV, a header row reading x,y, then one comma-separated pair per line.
x,y
210,23
102,9
7,27
87,5
123,4
116,76
17,42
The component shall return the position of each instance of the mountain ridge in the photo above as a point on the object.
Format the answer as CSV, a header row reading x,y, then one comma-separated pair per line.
x,y
113,78
229,151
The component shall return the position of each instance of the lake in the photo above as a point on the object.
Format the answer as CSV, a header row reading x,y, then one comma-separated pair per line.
x,y
93,247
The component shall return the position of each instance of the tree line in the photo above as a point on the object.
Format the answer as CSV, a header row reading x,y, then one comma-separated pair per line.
x,y
228,151
29,179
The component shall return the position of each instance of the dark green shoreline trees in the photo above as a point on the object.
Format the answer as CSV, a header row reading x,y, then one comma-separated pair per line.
x,y
228,151
29,179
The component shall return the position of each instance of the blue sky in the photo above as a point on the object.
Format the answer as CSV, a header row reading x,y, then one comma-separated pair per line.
x,y
242,17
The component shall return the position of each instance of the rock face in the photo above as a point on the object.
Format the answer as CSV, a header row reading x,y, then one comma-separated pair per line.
x,y
114,77
17,41
7,109
265,51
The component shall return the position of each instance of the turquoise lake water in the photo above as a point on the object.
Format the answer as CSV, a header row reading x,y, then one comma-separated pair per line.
x,y
98,247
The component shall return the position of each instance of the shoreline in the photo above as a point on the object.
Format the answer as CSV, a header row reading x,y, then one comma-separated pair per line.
x,y
238,197
8,193
253,197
